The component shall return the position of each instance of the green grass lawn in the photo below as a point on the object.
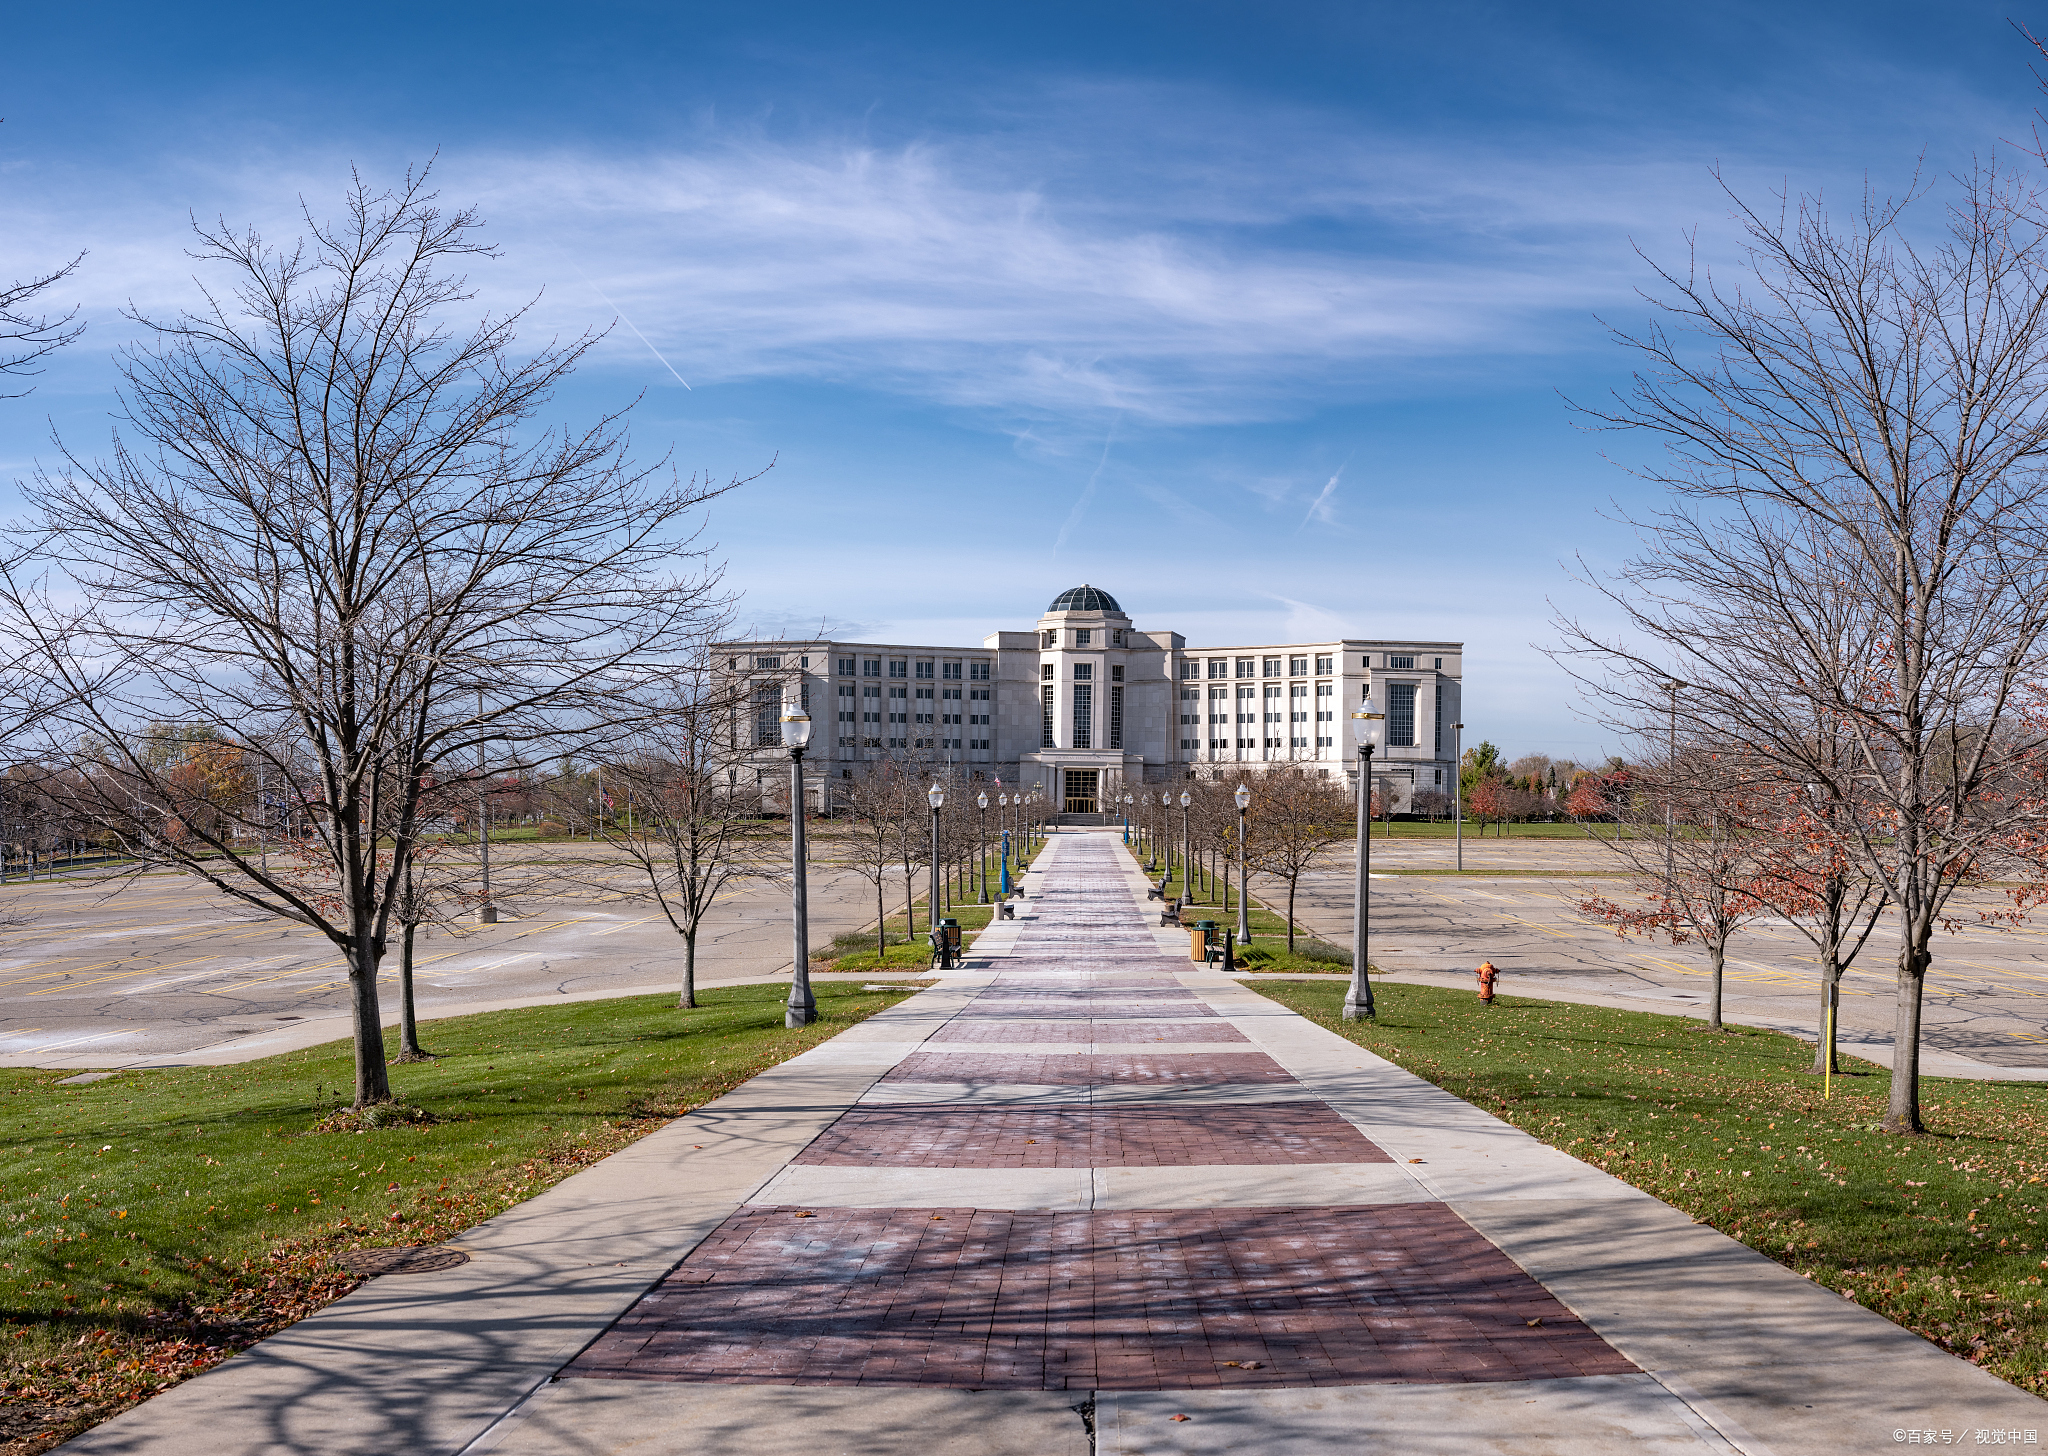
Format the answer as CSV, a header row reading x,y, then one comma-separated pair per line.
x,y
157,1221
1945,1234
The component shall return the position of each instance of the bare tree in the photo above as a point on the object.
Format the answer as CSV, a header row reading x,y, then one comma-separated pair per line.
x,y
335,530
1699,883
27,337
1294,823
871,837
1849,578
686,829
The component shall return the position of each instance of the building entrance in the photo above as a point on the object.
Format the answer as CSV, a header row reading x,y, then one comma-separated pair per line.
x,y
1081,790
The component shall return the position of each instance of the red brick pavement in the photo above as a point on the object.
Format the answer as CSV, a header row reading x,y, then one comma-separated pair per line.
x,y
995,1033
939,1135
1078,1010
985,1299
1078,1069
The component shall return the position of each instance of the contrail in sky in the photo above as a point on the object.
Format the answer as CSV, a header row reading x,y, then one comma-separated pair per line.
x,y
1317,504
1081,505
629,324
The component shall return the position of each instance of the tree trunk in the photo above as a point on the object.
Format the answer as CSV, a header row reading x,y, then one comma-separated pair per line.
x,y
373,1076
1717,951
408,1025
1291,884
686,999
881,920
1830,977
1904,1113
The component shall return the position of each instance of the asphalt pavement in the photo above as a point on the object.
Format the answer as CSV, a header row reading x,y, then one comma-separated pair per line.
x,y
159,967
1516,904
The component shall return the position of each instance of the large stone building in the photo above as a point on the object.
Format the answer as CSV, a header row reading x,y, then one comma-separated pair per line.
x,y
1086,700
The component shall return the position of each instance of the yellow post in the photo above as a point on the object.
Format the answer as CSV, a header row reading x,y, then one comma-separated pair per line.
x,y
1827,1051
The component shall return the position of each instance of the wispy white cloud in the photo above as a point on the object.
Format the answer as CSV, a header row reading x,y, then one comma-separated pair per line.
x,y
1205,282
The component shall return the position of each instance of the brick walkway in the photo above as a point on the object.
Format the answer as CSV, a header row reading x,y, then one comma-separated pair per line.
x,y
1156,1299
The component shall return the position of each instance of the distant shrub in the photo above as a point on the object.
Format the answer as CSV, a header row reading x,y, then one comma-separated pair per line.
x,y
1311,949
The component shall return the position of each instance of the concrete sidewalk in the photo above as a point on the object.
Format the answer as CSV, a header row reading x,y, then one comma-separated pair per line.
x,y
1086,1197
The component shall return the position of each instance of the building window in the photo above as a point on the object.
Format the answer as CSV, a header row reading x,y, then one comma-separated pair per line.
x,y
977,671
1045,671
1116,717
1400,664
1189,667
950,670
767,662
1247,743
1191,695
1439,664
1247,667
1116,672
846,690
1324,664
1116,638
1193,743
871,667
1084,671
1439,722
1400,715
980,695
767,716
1219,667
1084,716
1045,734
1439,778
1083,636
924,670
1272,667
733,663
1297,667
846,667
898,667
1325,742
803,697
1048,640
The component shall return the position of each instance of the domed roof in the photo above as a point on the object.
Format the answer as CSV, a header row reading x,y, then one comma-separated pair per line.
x,y
1084,598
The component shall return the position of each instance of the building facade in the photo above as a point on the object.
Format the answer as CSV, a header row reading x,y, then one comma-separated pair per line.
x,y
1086,700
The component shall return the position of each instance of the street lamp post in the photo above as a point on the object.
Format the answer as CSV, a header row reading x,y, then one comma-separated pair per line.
x,y
981,803
1187,840
1366,727
934,796
1244,923
1127,821
802,1009
1458,788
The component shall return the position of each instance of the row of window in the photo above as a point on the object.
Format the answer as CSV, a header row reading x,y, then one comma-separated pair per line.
x,y
1083,672
900,667
1191,667
1049,638
1224,744
982,744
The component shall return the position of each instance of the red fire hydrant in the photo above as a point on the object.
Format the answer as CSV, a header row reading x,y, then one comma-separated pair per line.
x,y
1487,976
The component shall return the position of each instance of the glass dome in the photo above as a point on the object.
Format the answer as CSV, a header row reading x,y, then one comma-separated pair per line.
x,y
1084,599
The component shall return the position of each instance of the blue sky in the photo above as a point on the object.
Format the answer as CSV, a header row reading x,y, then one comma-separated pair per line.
x,y
1260,316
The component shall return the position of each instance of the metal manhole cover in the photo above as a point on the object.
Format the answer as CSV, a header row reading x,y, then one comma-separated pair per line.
x,y
413,1260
